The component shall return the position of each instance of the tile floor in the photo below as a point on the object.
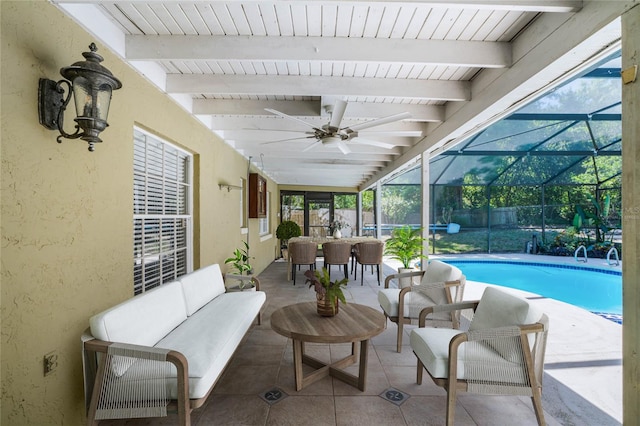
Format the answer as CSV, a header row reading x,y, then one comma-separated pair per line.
x,y
257,387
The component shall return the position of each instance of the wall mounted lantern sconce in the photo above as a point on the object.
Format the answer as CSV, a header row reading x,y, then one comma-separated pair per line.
x,y
91,85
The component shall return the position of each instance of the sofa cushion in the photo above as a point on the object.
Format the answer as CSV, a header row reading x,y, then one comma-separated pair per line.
x,y
210,336
143,319
201,286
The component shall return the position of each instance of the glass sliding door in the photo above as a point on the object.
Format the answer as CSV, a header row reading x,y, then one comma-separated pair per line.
x,y
292,208
319,217
314,211
345,210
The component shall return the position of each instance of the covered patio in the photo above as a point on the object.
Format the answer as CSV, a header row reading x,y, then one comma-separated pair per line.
x,y
582,382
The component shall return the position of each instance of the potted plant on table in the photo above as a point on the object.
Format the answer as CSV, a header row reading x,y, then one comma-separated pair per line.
x,y
328,293
405,245
286,230
335,227
241,265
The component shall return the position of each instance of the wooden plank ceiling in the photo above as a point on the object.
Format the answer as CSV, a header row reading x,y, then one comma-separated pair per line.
x,y
447,68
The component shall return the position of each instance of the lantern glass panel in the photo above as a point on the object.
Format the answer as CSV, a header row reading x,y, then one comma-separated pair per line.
x,y
103,101
82,97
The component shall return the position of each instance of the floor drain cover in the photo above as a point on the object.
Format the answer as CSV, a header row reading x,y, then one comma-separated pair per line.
x,y
273,395
395,396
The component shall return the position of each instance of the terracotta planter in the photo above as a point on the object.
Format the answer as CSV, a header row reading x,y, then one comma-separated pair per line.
x,y
324,306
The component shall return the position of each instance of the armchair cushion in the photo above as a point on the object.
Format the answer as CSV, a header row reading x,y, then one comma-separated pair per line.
x,y
500,309
435,356
438,272
388,299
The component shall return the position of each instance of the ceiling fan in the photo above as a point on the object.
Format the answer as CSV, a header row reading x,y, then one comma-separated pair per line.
x,y
332,133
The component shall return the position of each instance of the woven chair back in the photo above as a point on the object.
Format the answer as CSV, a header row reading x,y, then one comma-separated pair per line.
x,y
302,252
369,253
336,253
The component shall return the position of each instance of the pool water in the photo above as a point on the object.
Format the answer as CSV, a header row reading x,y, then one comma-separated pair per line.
x,y
596,290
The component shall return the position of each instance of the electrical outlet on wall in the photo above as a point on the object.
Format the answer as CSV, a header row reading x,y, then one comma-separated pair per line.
x,y
50,362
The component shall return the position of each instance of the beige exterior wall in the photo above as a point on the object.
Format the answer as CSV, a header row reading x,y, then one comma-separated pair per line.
x,y
67,244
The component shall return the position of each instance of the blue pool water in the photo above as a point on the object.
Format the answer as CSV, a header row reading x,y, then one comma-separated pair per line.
x,y
596,290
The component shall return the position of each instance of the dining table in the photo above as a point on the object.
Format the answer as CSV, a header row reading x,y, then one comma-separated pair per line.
x,y
321,240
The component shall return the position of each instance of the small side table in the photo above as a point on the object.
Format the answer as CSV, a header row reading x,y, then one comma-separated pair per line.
x,y
354,323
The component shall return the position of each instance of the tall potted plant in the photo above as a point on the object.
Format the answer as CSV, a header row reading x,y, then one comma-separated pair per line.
x,y
286,230
405,245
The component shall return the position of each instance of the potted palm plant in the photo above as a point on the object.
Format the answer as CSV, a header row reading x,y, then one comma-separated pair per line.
x,y
405,245
286,230
328,293
242,267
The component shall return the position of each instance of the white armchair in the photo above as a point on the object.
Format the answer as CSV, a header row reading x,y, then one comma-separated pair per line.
x,y
441,283
502,353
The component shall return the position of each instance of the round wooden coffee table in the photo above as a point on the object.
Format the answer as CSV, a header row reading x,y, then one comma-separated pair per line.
x,y
353,323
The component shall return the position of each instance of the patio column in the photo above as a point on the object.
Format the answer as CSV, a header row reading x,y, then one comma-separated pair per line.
x,y
630,218
425,206
378,210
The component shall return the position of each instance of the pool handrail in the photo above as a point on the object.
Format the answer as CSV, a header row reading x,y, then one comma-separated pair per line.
x,y
575,255
615,252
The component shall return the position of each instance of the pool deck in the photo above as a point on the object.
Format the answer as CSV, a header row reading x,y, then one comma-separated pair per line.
x,y
583,362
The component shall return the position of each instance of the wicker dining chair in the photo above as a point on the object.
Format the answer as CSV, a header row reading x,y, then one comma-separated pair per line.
x,y
302,253
337,253
368,253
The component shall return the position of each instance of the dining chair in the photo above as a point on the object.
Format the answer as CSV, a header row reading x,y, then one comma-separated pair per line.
x,y
337,253
302,253
368,253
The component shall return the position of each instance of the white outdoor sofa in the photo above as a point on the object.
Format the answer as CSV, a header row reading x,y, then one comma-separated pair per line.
x,y
165,347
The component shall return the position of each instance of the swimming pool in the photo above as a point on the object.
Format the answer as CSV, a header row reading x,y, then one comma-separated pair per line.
x,y
597,290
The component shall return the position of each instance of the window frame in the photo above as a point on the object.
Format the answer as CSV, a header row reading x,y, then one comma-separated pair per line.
x,y
182,191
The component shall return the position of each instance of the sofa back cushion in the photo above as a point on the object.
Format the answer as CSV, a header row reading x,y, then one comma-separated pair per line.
x,y
143,319
201,286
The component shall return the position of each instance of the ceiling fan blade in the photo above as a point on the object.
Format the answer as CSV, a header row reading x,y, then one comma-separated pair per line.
x,y
283,115
393,133
301,138
343,147
361,141
313,145
337,113
379,121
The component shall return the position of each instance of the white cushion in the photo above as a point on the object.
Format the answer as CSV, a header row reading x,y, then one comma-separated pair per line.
x,y
431,346
201,286
143,319
439,272
388,299
498,308
210,337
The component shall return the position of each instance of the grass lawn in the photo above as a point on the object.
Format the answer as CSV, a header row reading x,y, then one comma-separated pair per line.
x,y
476,241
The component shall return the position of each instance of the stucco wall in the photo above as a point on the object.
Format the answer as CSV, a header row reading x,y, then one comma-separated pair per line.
x,y
67,244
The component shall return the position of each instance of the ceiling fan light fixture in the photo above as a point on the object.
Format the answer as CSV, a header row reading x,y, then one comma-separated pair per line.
x,y
330,140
